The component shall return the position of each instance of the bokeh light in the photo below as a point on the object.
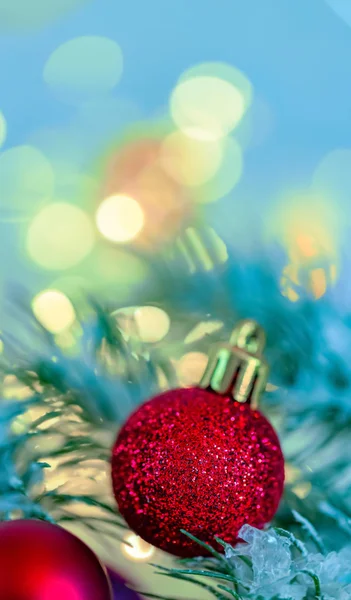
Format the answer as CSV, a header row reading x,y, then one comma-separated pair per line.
x,y
191,367
303,489
75,186
3,128
226,177
84,68
202,249
206,108
93,126
307,226
136,548
119,267
63,144
224,71
19,15
113,274
13,388
189,161
289,283
53,310
149,324
201,330
210,100
257,125
26,181
135,170
119,218
60,236
296,280
75,287
152,323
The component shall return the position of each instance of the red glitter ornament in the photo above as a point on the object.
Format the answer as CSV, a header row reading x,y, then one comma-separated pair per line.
x,y
202,459
41,561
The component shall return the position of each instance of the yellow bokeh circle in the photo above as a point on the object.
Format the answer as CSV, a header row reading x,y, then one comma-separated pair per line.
x,y
120,218
152,323
308,225
210,100
189,161
84,68
224,71
26,181
206,108
60,236
227,175
191,367
53,310
137,549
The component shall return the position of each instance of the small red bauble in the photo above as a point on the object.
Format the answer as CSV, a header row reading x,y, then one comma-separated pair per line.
x,y
41,561
120,591
199,460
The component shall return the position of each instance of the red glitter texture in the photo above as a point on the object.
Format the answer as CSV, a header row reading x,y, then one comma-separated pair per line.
x,y
191,459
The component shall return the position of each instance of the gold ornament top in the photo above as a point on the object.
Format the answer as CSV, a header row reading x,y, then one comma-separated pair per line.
x,y
238,369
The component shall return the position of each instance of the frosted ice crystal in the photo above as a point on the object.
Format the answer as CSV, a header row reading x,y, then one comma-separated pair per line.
x,y
278,572
334,573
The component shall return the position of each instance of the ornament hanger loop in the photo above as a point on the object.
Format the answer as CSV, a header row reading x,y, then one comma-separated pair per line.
x,y
238,368
249,336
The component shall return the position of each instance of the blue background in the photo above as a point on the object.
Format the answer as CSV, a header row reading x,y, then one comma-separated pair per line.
x,y
296,53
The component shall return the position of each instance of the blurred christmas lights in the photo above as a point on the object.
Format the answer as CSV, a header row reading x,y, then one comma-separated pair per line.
x,y
201,248
210,100
84,68
113,272
135,170
120,218
226,177
297,279
307,226
18,16
60,236
26,181
136,549
206,108
189,161
191,367
53,310
152,323
149,324
201,330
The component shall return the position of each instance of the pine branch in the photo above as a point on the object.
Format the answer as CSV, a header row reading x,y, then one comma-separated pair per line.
x,y
73,400
270,577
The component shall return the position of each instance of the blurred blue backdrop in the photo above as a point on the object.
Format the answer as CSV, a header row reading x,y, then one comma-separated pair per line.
x,y
296,54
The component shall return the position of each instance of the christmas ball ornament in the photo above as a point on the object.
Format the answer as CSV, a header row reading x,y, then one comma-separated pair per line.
x,y
204,459
119,589
41,561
